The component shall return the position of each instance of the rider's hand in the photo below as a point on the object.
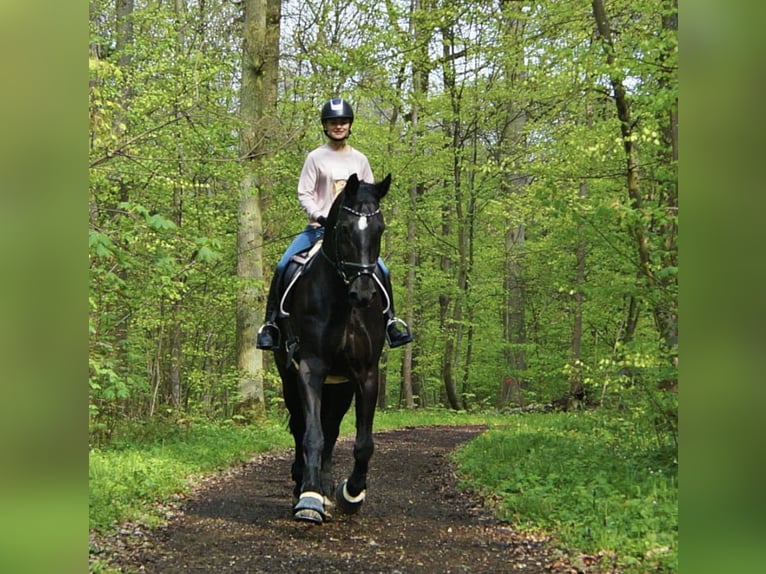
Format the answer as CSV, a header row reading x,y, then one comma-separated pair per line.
x,y
321,220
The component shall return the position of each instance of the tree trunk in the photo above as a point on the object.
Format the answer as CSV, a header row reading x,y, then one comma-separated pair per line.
x,y
251,402
453,324
382,384
663,309
666,317
513,184
514,326
409,288
258,98
576,389
469,261
176,331
124,45
419,89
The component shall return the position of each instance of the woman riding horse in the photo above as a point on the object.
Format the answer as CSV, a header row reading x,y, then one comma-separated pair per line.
x,y
324,174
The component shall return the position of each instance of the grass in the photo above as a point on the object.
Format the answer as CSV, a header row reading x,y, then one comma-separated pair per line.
x,y
603,484
130,476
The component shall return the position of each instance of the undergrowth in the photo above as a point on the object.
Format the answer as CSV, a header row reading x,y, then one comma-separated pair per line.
x,y
604,484
133,473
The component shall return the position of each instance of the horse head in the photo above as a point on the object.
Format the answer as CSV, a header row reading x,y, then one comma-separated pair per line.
x,y
352,237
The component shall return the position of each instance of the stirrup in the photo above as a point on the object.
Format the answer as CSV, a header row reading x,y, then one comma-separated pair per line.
x,y
268,337
401,337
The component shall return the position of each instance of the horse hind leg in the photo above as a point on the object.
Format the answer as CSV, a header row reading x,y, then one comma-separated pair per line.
x,y
327,480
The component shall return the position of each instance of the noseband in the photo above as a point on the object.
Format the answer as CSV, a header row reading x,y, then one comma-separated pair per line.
x,y
350,271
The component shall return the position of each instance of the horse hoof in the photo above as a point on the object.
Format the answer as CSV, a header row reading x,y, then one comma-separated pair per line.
x,y
308,515
346,503
310,508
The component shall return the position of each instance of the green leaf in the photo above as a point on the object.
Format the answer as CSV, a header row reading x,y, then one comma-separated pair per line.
x,y
204,253
159,223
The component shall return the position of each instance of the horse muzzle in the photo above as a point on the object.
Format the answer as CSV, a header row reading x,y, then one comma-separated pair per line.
x,y
361,290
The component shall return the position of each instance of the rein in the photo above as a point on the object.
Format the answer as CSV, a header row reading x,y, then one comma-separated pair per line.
x,y
350,271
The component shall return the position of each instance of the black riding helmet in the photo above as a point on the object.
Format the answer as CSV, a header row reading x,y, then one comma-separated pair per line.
x,y
337,108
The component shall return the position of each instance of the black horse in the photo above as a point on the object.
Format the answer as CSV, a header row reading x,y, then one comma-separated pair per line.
x,y
335,331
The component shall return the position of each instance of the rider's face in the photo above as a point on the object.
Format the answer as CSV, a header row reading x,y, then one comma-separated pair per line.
x,y
337,129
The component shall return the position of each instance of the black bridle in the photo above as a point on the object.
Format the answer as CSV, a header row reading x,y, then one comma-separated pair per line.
x,y
350,271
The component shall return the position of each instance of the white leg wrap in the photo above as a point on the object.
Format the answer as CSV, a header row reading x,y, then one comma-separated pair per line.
x,y
314,495
352,499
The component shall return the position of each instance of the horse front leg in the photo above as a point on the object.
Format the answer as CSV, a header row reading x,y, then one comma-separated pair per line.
x,y
351,493
310,505
297,428
336,400
297,425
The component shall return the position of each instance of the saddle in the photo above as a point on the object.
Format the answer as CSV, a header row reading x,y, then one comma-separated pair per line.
x,y
294,270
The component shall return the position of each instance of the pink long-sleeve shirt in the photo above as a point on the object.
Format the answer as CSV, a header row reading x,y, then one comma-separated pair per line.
x,y
324,174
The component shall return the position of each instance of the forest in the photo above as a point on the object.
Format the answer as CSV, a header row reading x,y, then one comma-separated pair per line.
x,y
532,222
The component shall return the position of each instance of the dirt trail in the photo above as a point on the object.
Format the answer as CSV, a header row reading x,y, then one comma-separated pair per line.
x,y
414,521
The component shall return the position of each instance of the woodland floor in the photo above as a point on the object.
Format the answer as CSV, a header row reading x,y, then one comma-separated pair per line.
x,y
415,520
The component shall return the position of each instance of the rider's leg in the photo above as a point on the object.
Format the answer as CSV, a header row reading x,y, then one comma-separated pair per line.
x,y
397,331
269,337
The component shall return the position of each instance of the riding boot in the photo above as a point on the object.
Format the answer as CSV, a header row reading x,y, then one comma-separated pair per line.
x,y
269,337
397,331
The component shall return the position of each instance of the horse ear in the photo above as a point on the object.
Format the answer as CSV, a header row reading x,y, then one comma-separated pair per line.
x,y
384,185
352,184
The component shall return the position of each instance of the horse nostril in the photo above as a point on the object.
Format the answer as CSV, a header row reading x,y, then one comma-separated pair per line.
x,y
359,301
360,298
362,291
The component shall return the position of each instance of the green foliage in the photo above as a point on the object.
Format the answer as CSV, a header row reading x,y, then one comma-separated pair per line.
x,y
600,480
399,418
163,157
516,128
